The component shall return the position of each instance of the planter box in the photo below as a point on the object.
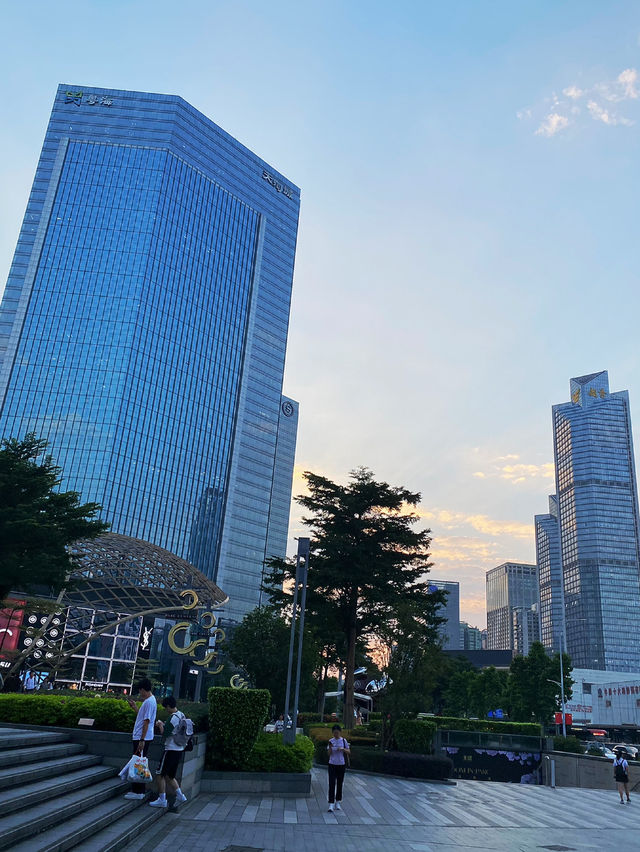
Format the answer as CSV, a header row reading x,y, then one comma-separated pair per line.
x,y
276,784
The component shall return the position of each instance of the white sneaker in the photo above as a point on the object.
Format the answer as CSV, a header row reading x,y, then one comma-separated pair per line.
x,y
338,806
159,803
180,796
331,808
134,795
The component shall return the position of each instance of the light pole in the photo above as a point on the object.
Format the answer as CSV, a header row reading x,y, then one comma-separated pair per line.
x,y
302,559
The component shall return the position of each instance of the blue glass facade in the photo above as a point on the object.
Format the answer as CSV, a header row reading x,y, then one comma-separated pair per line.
x,y
449,631
510,586
549,576
598,522
144,324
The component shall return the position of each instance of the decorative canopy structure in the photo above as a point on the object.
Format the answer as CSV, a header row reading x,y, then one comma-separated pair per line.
x,y
115,572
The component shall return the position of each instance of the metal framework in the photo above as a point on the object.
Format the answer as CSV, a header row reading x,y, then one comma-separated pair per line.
x,y
116,572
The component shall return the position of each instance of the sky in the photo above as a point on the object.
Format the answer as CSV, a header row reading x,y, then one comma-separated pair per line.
x,y
469,227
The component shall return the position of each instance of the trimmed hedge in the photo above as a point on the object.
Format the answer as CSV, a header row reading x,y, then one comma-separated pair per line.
x,y
452,723
570,744
307,718
404,764
236,717
110,714
270,754
413,736
323,733
375,727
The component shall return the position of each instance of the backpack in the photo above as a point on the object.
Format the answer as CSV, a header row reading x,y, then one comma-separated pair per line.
x,y
619,771
183,735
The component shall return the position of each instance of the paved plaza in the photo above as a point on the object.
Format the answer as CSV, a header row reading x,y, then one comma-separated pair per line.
x,y
394,815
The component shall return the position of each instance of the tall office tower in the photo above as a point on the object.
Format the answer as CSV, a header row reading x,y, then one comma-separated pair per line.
x,y
598,519
525,628
470,637
144,326
450,630
510,585
549,576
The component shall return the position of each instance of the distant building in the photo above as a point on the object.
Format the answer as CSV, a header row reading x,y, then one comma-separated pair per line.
x,y
450,630
484,659
525,628
599,525
549,576
510,585
470,637
591,703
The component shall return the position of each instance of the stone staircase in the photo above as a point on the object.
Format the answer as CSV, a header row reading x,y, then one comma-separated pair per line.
x,y
54,797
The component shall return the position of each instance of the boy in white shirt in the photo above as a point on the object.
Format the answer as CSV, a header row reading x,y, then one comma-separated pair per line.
x,y
142,729
171,755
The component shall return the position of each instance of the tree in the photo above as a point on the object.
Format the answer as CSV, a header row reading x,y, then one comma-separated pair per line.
x,y
533,687
260,645
366,560
37,522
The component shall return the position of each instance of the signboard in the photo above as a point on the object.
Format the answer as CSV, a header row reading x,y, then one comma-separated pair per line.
x,y
568,718
10,623
484,764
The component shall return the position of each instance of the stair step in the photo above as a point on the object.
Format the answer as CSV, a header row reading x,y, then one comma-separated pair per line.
x,y
21,825
21,775
19,798
20,756
11,738
111,821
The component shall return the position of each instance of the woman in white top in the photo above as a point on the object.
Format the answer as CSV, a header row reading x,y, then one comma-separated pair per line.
x,y
337,747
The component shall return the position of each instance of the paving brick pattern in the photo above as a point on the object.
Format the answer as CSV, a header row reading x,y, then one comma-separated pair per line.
x,y
393,815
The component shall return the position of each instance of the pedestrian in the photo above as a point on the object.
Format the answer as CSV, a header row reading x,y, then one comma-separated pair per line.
x,y
142,729
175,741
30,684
339,750
621,774
280,724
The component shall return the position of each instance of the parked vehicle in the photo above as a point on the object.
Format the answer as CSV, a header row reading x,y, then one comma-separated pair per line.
x,y
632,751
599,750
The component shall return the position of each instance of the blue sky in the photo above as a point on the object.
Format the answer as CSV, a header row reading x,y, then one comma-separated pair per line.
x,y
469,228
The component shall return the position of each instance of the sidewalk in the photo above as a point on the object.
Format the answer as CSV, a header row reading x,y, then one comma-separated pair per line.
x,y
383,814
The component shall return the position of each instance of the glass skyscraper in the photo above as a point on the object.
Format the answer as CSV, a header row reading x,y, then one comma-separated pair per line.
x,y
549,576
449,630
144,325
598,523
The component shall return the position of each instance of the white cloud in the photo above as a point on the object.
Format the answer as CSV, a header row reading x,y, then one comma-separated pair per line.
x,y
555,118
573,92
552,124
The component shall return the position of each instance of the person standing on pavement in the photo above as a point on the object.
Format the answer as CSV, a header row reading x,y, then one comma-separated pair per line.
x,y
338,749
142,729
30,683
621,774
173,751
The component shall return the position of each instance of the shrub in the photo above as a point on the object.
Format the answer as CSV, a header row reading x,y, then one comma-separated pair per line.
x,y
110,714
270,754
323,733
306,718
570,744
452,723
375,717
375,726
235,719
413,736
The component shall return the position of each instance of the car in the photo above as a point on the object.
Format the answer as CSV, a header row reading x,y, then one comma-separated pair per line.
x,y
599,750
632,751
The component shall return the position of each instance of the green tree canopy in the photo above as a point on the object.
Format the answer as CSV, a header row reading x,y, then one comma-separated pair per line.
x,y
366,562
260,645
533,687
38,522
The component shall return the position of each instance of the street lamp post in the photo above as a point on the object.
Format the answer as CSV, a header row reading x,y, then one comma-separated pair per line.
x,y
302,559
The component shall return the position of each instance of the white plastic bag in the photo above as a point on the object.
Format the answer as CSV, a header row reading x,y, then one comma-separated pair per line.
x,y
139,772
124,772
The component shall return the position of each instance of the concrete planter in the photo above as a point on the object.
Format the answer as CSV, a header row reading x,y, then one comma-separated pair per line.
x,y
276,784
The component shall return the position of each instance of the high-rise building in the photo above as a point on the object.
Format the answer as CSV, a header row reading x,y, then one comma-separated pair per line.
x,y
470,637
510,585
549,576
144,325
525,628
450,629
598,522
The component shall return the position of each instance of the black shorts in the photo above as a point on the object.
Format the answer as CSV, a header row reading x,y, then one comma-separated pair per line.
x,y
169,764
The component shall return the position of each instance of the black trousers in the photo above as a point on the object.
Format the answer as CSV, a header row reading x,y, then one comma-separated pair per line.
x,y
336,776
140,788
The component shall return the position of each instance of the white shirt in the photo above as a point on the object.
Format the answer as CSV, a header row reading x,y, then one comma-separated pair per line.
x,y
148,711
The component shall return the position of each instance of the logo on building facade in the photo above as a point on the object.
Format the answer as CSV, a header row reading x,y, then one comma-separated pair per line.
x,y
76,98
280,187
288,409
